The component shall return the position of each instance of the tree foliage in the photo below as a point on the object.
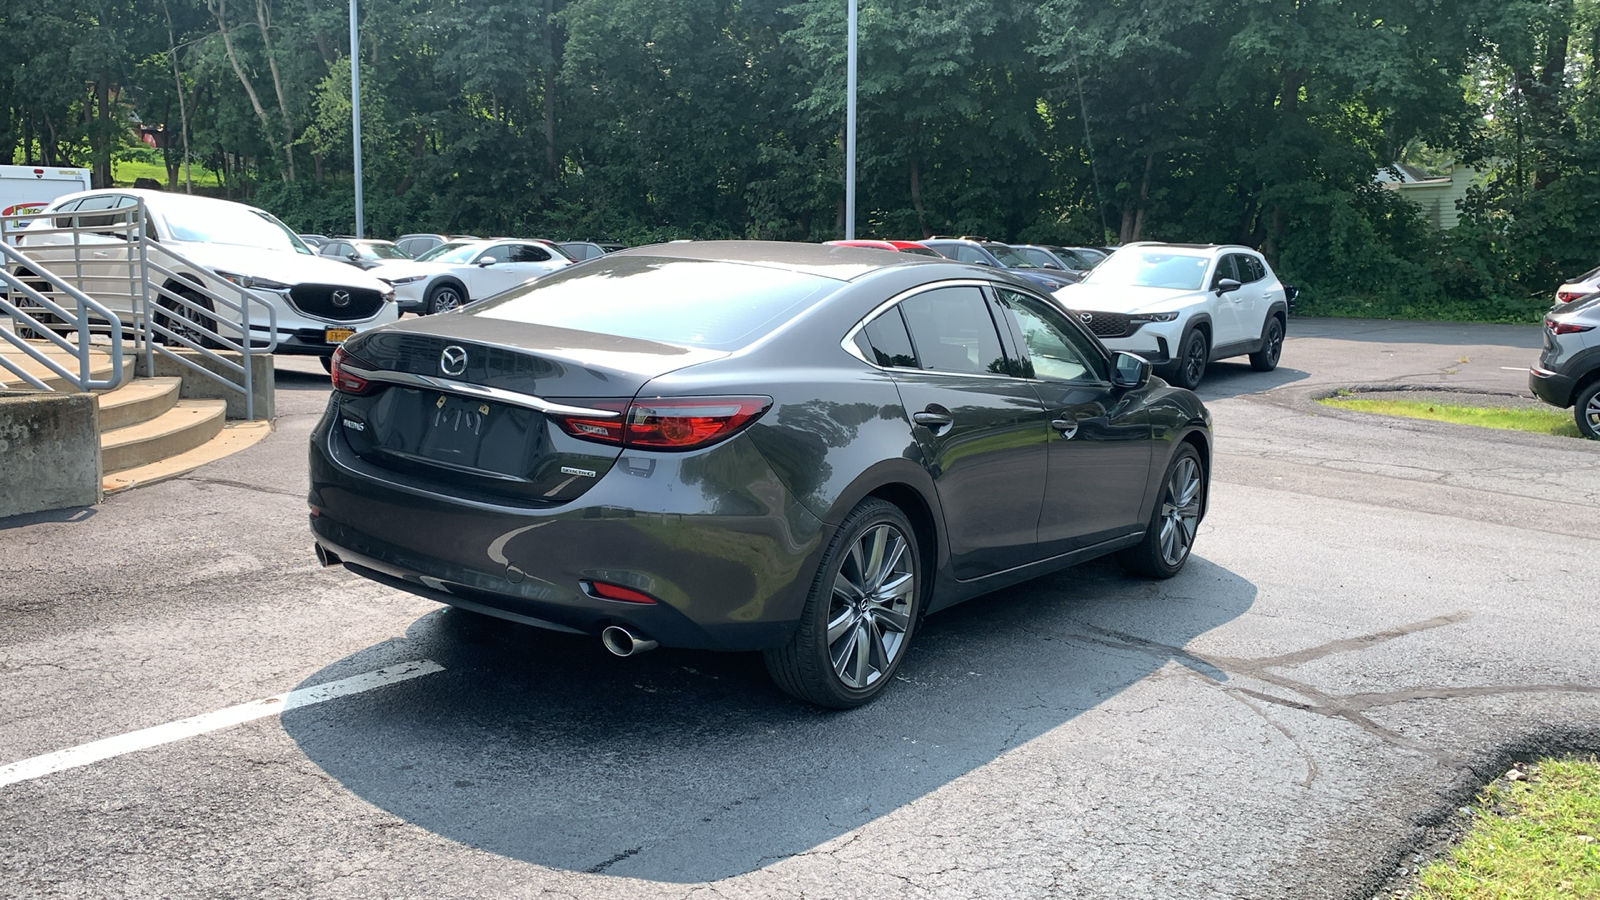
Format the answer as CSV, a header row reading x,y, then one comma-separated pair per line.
x,y
1074,121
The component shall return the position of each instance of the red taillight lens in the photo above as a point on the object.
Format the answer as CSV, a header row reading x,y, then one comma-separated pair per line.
x,y
684,423
343,380
668,423
1567,296
1567,327
617,592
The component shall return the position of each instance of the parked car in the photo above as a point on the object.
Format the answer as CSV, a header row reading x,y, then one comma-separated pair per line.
x,y
454,274
1582,286
1078,259
1095,255
582,250
318,301
314,241
1568,371
751,446
362,253
1070,265
414,245
1182,306
916,247
998,255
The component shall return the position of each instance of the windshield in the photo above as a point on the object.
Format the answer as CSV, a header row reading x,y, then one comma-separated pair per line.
x,y
1038,257
1009,257
697,303
454,253
231,223
920,251
1152,267
381,251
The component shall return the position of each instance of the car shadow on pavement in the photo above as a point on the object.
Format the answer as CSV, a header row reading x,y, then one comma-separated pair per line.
x,y
1225,379
684,767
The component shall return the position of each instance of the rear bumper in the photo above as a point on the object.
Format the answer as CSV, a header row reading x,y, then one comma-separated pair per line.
x,y
1553,388
729,563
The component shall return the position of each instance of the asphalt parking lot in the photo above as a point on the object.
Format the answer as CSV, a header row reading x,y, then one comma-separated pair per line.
x,y
1380,615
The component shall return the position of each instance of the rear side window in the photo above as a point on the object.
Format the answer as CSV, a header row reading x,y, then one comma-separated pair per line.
x,y
953,332
697,303
521,253
886,342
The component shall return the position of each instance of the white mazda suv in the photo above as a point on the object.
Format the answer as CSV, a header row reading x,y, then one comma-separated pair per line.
x,y
317,301
1181,306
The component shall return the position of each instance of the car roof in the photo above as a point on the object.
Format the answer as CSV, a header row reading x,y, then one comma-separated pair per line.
x,y
1234,247
842,263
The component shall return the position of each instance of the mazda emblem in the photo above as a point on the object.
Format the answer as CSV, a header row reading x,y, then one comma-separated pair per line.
x,y
341,298
1086,318
453,361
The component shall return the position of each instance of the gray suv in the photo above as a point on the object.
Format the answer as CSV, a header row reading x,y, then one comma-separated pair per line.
x,y
1568,371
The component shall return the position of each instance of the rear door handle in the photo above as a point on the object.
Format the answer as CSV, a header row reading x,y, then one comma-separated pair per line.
x,y
932,419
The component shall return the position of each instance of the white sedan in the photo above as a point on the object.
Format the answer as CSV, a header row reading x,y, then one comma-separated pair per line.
x,y
459,272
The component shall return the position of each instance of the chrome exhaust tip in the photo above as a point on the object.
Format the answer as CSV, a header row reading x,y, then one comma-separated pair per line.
x,y
328,558
622,642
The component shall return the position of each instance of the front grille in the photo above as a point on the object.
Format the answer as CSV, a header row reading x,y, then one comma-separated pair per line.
x,y
318,300
1105,324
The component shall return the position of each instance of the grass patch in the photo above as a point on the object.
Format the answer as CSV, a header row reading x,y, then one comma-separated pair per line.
x,y
1536,838
126,171
1538,421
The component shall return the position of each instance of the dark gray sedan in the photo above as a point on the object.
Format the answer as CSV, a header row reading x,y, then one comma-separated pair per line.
x,y
790,448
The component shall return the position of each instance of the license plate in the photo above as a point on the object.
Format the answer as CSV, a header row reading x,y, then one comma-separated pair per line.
x,y
339,335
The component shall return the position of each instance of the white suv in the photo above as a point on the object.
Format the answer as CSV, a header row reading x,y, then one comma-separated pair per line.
x,y
1183,305
318,301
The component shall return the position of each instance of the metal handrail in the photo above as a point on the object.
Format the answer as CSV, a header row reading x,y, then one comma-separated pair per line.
x,y
168,309
83,380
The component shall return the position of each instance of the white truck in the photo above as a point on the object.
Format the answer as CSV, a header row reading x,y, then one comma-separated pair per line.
x,y
28,189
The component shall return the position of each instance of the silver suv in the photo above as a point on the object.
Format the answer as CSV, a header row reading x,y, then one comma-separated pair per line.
x,y
1568,371
1180,306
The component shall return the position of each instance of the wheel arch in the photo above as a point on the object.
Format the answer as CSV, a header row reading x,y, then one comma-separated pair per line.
x,y
909,487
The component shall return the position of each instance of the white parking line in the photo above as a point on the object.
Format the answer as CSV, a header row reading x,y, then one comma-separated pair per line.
x,y
144,739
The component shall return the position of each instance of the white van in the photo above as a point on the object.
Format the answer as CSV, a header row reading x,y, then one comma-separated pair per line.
x,y
29,189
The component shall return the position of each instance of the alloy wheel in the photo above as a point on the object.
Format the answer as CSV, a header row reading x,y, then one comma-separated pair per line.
x,y
1180,511
1591,416
446,299
870,611
1194,360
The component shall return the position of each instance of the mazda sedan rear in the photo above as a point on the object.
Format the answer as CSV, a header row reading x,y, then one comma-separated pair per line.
x,y
789,448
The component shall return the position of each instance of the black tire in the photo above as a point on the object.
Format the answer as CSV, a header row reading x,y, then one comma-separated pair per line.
x,y
1193,355
27,332
1266,359
1586,410
445,297
1175,521
181,325
872,630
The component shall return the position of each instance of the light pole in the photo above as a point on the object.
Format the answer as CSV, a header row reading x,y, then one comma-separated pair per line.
x,y
849,131
355,113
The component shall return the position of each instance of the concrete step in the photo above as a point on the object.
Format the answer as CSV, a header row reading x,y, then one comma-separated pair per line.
x,y
100,367
234,437
184,427
140,400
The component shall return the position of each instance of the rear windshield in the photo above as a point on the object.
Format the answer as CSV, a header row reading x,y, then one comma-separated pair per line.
x,y
696,303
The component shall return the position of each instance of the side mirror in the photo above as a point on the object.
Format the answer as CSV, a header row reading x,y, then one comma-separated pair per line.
x,y
487,261
1228,284
1130,370
354,255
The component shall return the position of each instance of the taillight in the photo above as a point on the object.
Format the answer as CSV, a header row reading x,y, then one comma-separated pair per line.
x,y
1567,327
1567,296
668,423
343,380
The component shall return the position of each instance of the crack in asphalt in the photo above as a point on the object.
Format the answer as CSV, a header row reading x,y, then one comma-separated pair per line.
x,y
1348,707
244,486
